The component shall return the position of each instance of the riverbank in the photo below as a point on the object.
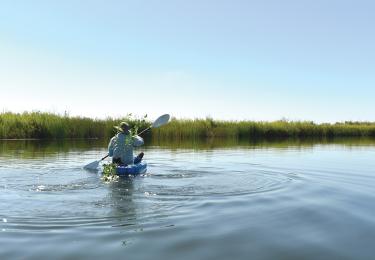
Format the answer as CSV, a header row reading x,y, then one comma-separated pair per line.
x,y
52,126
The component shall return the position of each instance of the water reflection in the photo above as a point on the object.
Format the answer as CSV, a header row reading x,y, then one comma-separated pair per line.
x,y
30,149
205,199
124,209
218,143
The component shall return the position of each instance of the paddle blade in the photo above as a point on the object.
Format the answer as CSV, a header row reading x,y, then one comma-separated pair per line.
x,y
162,120
92,165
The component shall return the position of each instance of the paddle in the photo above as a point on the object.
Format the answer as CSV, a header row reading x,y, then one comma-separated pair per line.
x,y
160,121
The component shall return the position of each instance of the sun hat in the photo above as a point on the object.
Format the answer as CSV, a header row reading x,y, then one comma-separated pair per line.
x,y
122,127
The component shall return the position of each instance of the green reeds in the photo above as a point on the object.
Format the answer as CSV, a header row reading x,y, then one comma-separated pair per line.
x,y
181,129
52,126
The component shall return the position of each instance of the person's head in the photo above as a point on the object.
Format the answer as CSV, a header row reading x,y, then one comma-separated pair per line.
x,y
123,127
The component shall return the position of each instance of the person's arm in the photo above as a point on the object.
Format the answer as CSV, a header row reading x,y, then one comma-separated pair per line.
x,y
137,141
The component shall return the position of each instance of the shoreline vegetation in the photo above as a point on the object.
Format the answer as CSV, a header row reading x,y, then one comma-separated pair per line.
x,y
42,125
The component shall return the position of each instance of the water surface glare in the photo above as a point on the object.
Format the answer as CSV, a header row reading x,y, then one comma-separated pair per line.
x,y
287,200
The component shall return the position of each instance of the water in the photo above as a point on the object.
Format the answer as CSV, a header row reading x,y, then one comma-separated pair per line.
x,y
199,200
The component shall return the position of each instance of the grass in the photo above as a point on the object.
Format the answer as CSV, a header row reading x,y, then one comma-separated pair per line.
x,y
203,128
52,126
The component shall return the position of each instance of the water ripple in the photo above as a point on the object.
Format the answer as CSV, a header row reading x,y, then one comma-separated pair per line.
x,y
222,182
217,203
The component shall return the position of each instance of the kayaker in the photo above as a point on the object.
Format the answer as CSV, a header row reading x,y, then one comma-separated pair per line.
x,y
120,148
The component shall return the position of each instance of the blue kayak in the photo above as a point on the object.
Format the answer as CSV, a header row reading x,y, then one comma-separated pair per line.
x,y
134,169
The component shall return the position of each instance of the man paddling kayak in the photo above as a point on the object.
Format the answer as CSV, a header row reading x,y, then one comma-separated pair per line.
x,y
120,148
137,141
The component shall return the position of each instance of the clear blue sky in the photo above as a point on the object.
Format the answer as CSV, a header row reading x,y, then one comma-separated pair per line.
x,y
261,60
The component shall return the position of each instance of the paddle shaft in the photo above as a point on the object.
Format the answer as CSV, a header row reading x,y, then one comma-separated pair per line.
x,y
145,130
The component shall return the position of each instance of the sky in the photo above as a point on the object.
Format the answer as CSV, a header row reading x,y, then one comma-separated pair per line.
x,y
226,59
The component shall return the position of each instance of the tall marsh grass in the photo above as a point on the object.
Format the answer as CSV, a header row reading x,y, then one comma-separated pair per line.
x,y
53,126
203,128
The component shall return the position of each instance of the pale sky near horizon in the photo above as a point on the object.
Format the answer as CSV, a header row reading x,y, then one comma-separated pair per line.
x,y
232,60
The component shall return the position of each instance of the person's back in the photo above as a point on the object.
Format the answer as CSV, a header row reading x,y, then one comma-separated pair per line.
x,y
121,146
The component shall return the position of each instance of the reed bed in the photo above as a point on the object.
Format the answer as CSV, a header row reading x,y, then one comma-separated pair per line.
x,y
208,128
53,126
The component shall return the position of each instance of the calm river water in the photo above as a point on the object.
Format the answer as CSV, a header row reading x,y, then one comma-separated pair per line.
x,y
198,200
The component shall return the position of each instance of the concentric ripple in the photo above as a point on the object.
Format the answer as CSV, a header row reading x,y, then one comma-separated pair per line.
x,y
191,204
228,179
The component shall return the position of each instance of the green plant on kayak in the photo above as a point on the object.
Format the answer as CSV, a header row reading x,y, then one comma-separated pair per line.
x,y
137,124
109,172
